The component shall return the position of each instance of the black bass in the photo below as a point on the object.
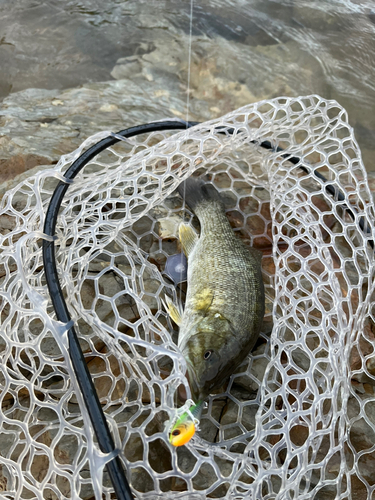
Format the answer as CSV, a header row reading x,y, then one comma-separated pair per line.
x,y
224,306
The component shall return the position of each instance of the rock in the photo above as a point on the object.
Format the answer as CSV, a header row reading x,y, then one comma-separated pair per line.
x,y
371,182
258,365
62,454
141,480
12,182
364,348
6,479
134,448
126,67
217,73
205,477
209,428
37,126
315,18
33,127
19,164
159,456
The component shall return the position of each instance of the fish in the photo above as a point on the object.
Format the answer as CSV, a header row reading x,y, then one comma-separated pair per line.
x,y
225,302
184,428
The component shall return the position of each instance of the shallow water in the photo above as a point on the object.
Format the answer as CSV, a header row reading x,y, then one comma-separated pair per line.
x,y
268,47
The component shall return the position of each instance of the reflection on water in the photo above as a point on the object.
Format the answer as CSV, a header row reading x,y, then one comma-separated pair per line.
x,y
265,48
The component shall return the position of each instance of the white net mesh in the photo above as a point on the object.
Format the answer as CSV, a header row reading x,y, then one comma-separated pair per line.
x,y
297,419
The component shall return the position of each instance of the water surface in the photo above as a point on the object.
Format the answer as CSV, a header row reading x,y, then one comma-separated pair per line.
x,y
265,48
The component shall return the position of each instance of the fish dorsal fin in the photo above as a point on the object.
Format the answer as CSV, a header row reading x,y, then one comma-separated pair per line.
x,y
175,312
188,238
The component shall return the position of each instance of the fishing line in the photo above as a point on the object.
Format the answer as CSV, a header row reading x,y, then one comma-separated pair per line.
x,y
187,110
189,62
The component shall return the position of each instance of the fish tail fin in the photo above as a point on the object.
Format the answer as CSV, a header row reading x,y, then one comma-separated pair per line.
x,y
195,192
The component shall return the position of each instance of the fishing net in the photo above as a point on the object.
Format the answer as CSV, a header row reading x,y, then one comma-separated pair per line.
x,y
297,418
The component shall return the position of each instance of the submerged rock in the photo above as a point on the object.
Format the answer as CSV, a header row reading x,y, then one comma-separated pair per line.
x,y
37,126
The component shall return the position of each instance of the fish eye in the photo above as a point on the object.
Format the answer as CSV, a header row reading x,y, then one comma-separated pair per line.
x,y
207,354
176,433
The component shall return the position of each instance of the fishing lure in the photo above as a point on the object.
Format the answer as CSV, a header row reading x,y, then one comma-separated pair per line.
x,y
184,428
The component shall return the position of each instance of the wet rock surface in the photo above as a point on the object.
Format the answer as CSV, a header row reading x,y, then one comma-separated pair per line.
x,y
290,47
37,126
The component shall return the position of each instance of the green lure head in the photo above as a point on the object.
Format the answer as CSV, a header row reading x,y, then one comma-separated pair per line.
x,y
184,428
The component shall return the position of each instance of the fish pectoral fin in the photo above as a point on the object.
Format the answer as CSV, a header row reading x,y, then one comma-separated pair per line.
x,y
188,238
203,300
175,312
